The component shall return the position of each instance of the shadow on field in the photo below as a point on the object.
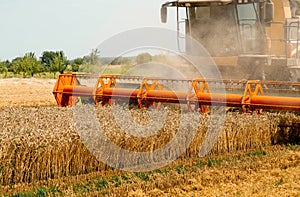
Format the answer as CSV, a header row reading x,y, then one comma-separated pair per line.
x,y
287,134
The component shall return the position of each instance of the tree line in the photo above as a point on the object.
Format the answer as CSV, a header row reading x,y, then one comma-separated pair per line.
x,y
57,62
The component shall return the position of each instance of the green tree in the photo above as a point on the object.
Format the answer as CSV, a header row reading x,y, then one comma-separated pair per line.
x,y
117,61
76,64
90,68
59,63
17,66
143,58
3,68
8,65
47,59
93,58
32,65
121,61
26,65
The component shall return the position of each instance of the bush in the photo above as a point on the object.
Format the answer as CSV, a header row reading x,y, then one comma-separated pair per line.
x,y
143,58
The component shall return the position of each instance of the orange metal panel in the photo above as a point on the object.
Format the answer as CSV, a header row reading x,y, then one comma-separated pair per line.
x,y
119,93
166,96
272,102
78,90
67,89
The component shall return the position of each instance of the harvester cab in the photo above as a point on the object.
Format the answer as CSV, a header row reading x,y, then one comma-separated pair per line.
x,y
250,39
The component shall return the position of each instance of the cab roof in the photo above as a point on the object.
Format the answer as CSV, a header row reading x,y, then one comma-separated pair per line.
x,y
187,3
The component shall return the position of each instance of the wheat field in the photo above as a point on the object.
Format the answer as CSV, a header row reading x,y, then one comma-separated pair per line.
x,y
42,154
41,143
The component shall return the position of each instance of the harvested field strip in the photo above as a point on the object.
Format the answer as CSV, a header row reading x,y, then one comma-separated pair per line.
x,y
273,171
26,92
40,143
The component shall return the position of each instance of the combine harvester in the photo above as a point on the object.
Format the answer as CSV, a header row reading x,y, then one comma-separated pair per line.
x,y
253,39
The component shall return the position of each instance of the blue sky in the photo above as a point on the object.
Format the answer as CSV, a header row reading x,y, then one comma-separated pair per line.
x,y
74,26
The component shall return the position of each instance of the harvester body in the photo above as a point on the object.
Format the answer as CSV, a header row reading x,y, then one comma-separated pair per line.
x,y
255,39
246,39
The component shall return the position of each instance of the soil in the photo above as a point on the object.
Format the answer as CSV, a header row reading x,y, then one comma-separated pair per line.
x,y
27,92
